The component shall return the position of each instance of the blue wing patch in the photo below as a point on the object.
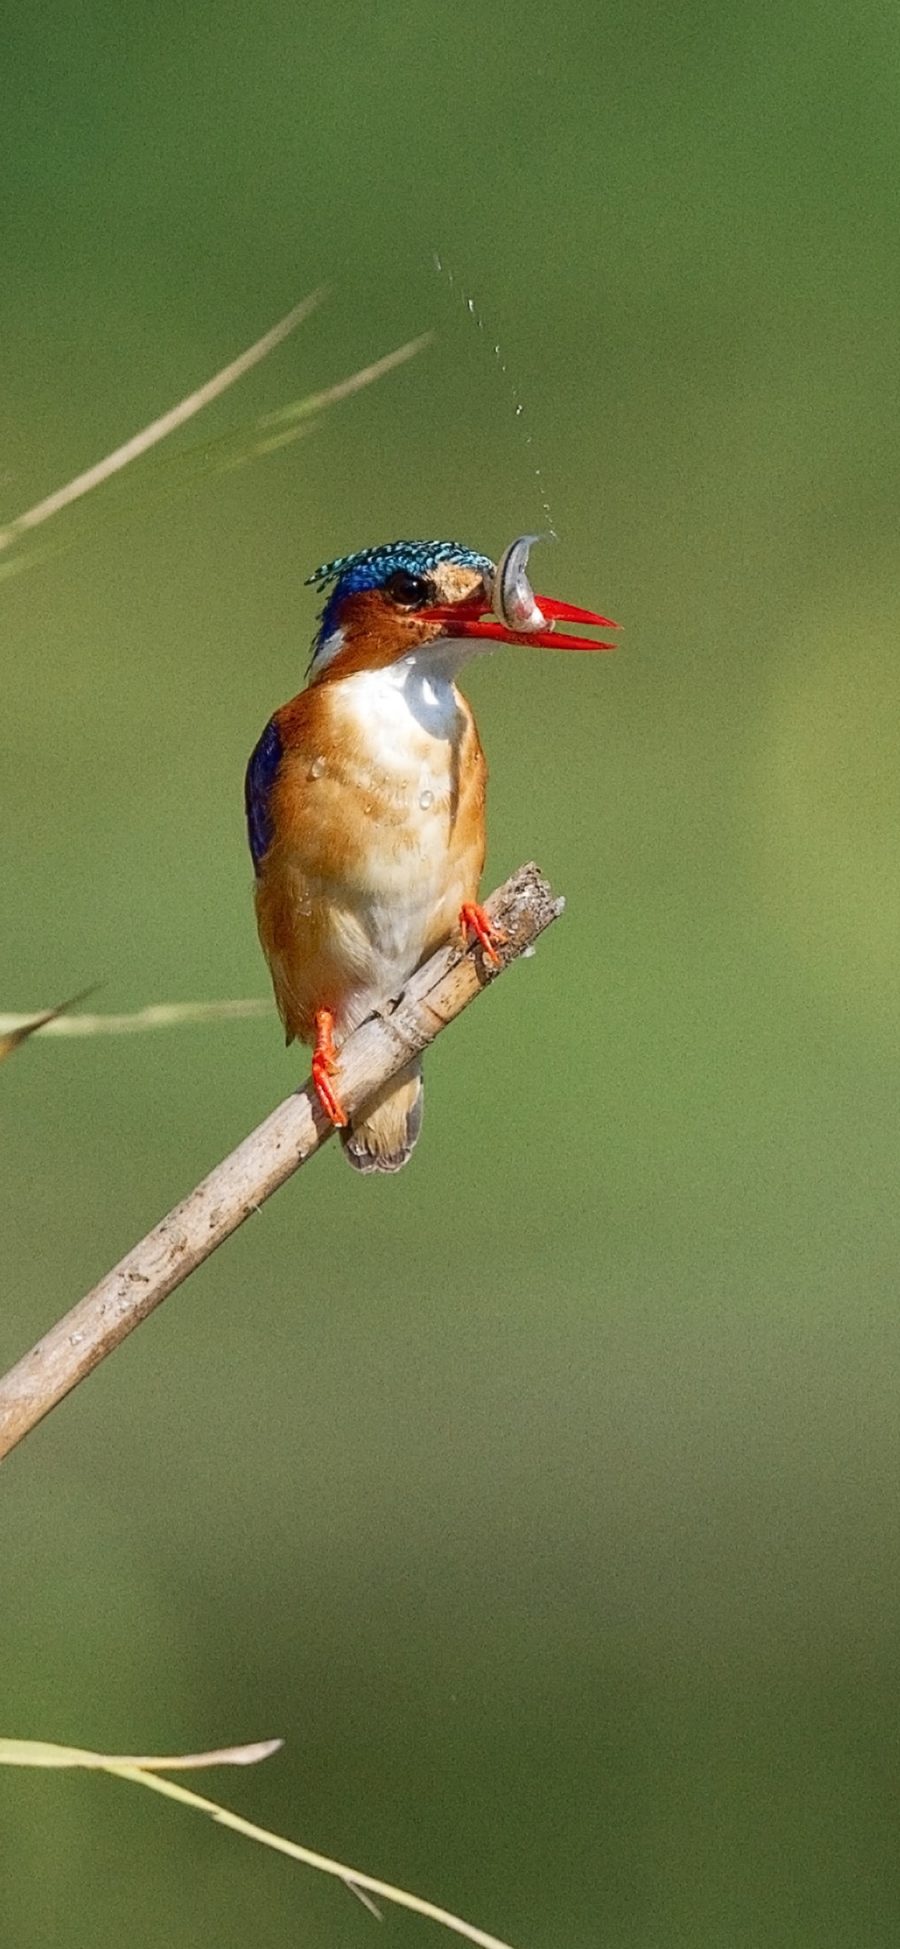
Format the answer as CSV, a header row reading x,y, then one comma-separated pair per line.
x,y
261,774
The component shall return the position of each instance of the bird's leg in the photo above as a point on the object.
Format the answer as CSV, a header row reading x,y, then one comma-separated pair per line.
x,y
473,919
324,1066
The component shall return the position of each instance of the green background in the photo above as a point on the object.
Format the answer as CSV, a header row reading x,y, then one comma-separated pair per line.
x,y
545,1499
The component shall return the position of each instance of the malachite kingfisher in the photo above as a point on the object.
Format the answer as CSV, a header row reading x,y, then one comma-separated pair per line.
x,y
365,801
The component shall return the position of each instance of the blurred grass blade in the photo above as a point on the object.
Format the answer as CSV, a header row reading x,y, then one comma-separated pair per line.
x,y
367,374
259,1749
39,1752
174,473
26,1752
15,1029
158,429
275,429
366,1899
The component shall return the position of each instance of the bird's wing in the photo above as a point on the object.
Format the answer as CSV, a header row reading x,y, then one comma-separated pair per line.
x,y
260,778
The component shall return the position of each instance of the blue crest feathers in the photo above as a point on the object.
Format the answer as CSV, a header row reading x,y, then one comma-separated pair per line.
x,y
372,566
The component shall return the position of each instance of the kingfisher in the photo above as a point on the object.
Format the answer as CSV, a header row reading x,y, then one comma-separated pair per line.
x,y
365,801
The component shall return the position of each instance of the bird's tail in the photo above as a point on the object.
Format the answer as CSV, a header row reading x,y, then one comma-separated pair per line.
x,y
383,1138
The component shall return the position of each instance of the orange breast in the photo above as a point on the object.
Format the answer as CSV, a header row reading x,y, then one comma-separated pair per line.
x,y
377,816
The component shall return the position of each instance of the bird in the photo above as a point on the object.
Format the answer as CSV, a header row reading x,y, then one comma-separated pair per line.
x,y
365,802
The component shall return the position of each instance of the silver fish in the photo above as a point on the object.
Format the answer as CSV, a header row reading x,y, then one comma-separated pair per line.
x,y
512,596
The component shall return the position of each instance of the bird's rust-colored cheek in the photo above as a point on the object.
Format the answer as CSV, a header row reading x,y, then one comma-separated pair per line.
x,y
376,634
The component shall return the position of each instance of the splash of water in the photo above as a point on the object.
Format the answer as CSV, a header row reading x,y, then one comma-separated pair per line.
x,y
518,405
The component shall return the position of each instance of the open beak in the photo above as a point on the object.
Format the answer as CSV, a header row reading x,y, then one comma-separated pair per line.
x,y
511,612
470,619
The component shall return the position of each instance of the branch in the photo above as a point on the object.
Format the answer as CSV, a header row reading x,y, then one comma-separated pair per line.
x,y
381,1046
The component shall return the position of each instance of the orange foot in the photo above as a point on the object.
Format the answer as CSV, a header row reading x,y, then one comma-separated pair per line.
x,y
474,920
324,1066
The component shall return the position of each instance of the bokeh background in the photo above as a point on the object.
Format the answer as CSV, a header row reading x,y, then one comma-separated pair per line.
x,y
545,1499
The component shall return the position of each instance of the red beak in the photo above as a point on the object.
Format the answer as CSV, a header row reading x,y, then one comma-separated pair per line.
x,y
475,619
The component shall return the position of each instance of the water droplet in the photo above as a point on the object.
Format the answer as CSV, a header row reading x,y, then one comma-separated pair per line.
x,y
425,800
478,319
317,767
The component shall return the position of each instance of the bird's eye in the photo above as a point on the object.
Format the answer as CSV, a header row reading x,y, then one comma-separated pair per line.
x,y
410,591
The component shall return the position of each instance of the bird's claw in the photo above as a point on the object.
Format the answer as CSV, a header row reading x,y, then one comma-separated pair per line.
x,y
324,1066
474,919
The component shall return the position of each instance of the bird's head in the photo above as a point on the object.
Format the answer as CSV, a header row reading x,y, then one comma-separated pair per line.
x,y
387,602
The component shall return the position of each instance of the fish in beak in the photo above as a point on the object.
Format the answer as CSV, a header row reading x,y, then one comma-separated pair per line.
x,y
513,613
